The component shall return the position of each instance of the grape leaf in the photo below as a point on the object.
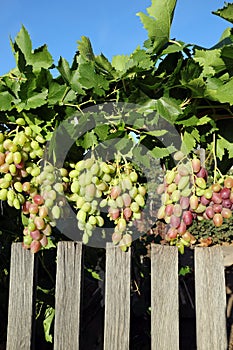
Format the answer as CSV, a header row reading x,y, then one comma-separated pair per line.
x,y
85,48
226,12
210,60
24,43
221,145
168,109
158,22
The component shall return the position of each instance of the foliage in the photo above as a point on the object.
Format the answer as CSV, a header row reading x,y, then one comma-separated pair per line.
x,y
176,95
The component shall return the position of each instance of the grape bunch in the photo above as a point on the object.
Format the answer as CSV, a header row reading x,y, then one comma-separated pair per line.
x,y
187,195
43,206
19,153
97,188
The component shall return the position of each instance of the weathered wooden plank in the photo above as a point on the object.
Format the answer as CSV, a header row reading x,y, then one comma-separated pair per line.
x,y
67,304
210,298
117,299
21,296
164,298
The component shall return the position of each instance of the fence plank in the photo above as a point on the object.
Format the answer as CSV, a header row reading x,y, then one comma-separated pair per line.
x,y
117,299
164,298
21,297
210,298
68,289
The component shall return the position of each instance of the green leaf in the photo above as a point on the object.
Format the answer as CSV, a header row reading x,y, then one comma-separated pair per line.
x,y
89,79
41,58
64,69
158,152
56,93
89,140
6,101
168,109
47,323
102,131
120,62
85,48
210,60
35,101
24,43
189,141
158,22
221,145
24,219
226,12
224,93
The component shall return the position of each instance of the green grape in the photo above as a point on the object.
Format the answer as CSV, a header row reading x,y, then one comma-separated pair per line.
x,y
3,194
17,158
18,186
16,203
56,212
81,216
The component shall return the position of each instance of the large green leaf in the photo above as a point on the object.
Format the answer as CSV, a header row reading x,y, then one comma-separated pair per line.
x,y
226,12
85,48
158,23
210,60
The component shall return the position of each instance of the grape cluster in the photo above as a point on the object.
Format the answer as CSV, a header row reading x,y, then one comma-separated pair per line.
x,y
98,187
19,154
43,206
187,196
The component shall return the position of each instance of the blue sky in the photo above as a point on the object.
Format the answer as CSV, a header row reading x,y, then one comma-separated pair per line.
x,y
112,26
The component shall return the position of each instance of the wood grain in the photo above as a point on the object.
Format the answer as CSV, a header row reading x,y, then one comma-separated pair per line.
x,y
117,299
67,305
210,298
21,299
164,298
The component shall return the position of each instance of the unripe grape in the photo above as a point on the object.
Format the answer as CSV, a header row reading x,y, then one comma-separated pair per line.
x,y
27,240
114,213
200,209
175,196
133,192
200,182
160,213
39,222
16,203
169,177
226,213
107,178
183,169
116,237
169,209
9,158
47,230
171,188
217,219
18,186
17,158
43,211
193,201
33,209
35,246
225,193
184,181
35,171
187,217
160,189
196,165
178,155
204,200
121,225
140,200
226,203
177,210
104,167
133,176
56,212
208,193
172,233
217,208
184,202
216,187
126,199
126,240
182,228
228,182
2,137
127,213
44,241
3,194
99,220
202,173
175,221
216,197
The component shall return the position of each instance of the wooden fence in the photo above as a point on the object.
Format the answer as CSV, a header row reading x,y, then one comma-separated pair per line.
x,y
210,298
